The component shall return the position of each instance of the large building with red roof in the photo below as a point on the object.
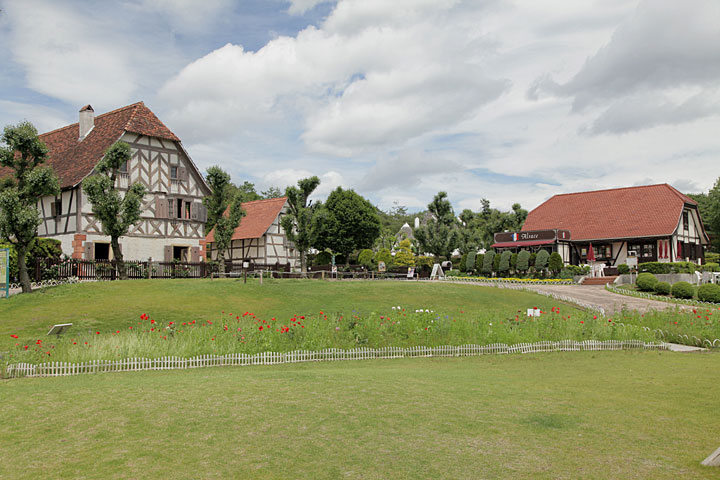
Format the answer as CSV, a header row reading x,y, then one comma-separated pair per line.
x,y
173,216
655,222
259,239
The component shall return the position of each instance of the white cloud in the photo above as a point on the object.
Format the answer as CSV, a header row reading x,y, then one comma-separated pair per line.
x,y
43,118
300,7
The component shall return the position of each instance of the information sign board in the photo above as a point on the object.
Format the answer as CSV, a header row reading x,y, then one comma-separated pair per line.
x,y
4,272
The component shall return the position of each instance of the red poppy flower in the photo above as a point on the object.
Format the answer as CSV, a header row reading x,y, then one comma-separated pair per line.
x,y
260,328
14,336
97,333
581,321
25,347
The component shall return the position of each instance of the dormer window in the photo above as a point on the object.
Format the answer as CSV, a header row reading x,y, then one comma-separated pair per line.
x,y
123,168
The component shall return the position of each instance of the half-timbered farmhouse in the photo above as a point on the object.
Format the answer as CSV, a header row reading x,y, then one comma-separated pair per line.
x,y
259,239
173,217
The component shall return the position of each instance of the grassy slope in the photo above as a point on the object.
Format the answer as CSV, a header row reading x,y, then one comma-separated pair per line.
x,y
110,305
563,415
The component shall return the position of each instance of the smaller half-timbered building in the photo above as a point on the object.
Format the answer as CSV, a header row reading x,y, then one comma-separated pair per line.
x,y
259,239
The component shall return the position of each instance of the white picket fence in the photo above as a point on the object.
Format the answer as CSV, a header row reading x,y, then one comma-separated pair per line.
x,y
55,369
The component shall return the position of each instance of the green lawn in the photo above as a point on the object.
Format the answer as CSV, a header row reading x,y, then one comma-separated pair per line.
x,y
118,305
561,415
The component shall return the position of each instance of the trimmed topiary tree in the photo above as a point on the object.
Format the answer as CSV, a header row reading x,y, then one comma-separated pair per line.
x,y
513,261
682,290
555,263
496,263
646,282
487,265
504,266
662,288
463,263
383,255
479,259
404,256
709,292
623,269
523,261
470,261
541,260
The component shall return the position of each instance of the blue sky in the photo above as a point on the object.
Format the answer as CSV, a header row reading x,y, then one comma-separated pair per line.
x,y
512,101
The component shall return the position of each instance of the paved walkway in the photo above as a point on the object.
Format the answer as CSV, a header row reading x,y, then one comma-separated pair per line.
x,y
597,295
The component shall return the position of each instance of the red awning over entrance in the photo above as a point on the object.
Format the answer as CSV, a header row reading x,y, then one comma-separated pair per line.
x,y
528,243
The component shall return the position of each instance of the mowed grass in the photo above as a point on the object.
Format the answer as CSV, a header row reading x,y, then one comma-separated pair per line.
x,y
107,306
560,415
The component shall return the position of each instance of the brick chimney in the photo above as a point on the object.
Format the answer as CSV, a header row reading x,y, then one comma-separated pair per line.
x,y
87,121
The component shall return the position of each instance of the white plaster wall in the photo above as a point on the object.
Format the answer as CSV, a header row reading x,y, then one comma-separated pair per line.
x,y
65,243
134,248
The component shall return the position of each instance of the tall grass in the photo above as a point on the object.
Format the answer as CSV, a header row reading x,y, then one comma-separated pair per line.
x,y
246,332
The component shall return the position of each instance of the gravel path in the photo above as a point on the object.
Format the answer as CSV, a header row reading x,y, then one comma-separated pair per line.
x,y
597,295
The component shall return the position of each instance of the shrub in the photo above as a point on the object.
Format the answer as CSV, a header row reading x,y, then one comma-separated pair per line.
x,y
479,259
523,261
366,258
623,269
711,267
533,256
682,290
658,268
555,263
463,263
646,282
513,261
322,258
712,257
709,292
541,260
487,265
470,261
662,288
383,255
566,274
424,264
453,273
496,263
504,265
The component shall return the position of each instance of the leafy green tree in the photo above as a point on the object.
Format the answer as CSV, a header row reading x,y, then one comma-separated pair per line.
x,y
23,154
479,259
365,258
541,260
297,224
439,235
713,214
217,202
513,261
496,263
224,228
469,238
488,260
247,192
271,192
383,255
523,261
115,211
404,256
504,265
555,263
345,222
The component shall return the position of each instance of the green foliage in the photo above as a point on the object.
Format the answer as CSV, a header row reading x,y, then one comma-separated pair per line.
x,y
555,263
711,267
513,261
219,198
323,258
297,224
623,269
577,270
479,259
439,235
504,263
523,261
462,265
345,223
425,263
682,290
659,268
404,256
662,288
712,222
470,261
365,258
496,263
224,228
712,257
23,153
533,256
646,282
709,292
383,255
487,265
469,235
541,261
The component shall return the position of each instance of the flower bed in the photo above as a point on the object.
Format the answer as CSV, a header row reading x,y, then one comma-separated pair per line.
x,y
659,298
512,280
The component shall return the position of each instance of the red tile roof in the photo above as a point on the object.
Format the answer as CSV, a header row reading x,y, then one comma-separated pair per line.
x,y
646,211
259,215
73,160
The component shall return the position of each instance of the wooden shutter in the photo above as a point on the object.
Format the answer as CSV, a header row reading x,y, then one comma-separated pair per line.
x,y
194,210
53,213
168,253
202,213
89,251
195,254
161,205
182,174
171,208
